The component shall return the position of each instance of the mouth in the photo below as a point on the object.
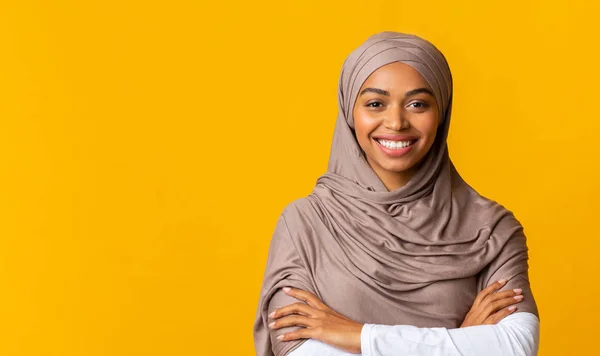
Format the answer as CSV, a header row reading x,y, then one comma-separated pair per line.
x,y
394,149
395,145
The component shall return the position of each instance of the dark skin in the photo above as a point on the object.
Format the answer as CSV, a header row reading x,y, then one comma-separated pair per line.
x,y
394,100
322,323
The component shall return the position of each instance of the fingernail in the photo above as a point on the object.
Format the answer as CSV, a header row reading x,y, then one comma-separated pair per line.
x,y
518,297
280,337
271,325
286,289
517,290
272,314
502,281
512,308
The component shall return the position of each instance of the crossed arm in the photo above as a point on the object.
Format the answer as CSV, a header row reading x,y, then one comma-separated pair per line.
x,y
490,329
515,335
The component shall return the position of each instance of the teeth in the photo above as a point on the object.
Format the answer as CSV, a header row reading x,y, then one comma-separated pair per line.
x,y
395,144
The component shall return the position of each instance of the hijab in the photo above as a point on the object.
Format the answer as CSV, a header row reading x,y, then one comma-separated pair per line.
x,y
416,255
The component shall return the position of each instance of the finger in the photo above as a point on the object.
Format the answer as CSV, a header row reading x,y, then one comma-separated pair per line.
x,y
489,304
305,333
296,308
499,315
303,295
501,295
489,290
502,303
293,320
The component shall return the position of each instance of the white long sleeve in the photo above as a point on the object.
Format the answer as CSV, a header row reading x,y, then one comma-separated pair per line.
x,y
515,335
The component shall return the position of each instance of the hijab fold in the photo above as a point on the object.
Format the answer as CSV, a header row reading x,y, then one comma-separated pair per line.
x,y
416,255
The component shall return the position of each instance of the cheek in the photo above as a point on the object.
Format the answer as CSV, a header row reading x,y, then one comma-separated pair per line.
x,y
364,124
428,128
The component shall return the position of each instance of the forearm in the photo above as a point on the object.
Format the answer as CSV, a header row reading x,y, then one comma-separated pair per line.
x,y
515,335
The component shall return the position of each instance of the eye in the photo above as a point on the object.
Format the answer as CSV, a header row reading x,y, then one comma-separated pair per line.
x,y
420,104
374,104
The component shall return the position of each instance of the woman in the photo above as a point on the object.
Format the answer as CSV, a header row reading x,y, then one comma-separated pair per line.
x,y
392,237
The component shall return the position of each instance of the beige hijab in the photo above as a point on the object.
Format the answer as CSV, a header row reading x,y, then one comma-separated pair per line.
x,y
416,255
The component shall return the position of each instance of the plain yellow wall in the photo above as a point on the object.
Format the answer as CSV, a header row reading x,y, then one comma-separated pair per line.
x,y
148,147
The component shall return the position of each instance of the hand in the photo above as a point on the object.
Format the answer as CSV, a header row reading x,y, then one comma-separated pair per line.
x,y
320,322
490,307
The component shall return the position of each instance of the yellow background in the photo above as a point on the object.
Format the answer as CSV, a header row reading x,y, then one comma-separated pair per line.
x,y
148,147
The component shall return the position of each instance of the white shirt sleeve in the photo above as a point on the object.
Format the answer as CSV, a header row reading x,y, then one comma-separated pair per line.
x,y
516,335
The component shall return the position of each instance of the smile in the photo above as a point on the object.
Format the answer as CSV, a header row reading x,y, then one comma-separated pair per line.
x,y
394,145
395,148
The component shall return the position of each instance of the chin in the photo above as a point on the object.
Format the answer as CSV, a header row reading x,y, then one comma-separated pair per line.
x,y
396,167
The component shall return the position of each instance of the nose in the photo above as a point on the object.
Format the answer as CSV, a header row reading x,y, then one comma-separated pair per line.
x,y
396,120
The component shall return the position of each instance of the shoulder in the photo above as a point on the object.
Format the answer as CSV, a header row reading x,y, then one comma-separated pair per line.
x,y
467,195
486,213
298,211
498,216
291,216
302,220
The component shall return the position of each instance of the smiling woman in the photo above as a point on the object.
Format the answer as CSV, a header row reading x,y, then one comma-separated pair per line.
x,y
396,119
393,252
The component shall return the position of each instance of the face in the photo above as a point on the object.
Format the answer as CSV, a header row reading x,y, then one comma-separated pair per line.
x,y
395,120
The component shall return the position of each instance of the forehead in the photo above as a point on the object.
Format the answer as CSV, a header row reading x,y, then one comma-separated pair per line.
x,y
395,75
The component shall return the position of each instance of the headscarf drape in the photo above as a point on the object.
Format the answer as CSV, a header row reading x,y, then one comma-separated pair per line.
x,y
416,255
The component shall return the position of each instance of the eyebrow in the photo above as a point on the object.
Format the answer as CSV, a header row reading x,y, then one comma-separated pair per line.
x,y
408,93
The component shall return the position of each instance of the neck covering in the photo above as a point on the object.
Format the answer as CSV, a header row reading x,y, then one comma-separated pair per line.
x,y
416,255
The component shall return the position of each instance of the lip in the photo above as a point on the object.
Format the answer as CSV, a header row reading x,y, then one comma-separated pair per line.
x,y
395,152
396,137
